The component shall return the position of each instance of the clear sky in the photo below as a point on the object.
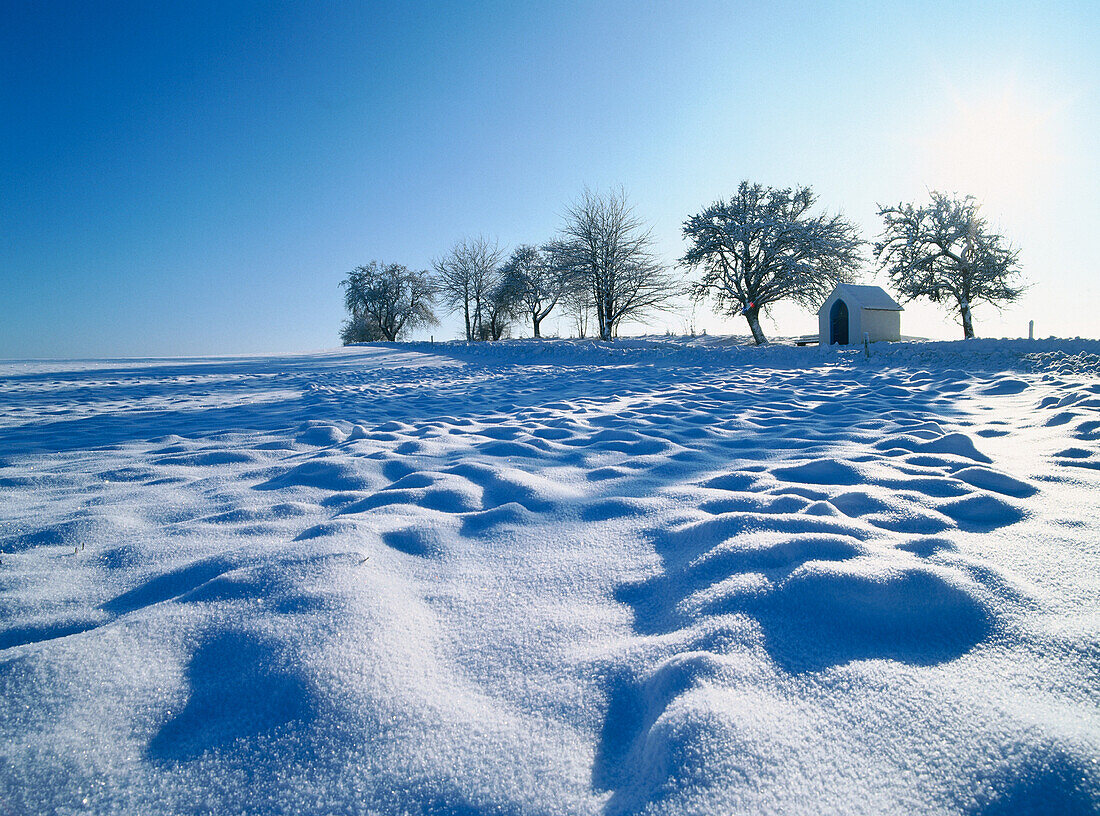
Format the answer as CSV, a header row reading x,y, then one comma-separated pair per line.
x,y
197,178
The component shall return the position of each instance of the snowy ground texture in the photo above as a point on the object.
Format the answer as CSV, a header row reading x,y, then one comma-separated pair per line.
x,y
659,576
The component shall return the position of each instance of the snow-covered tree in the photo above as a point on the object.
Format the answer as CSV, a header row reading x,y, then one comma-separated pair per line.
x,y
606,249
946,252
465,279
762,246
537,284
384,301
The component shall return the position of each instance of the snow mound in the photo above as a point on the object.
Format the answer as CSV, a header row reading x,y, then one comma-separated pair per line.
x,y
662,575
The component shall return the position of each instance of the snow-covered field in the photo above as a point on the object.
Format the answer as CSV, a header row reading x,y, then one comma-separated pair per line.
x,y
672,576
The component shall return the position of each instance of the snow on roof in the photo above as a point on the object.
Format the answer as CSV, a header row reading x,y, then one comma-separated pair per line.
x,y
866,297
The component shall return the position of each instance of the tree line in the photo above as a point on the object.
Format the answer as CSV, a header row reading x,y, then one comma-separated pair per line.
x,y
761,246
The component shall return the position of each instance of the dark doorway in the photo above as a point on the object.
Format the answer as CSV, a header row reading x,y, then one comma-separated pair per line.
x,y
838,323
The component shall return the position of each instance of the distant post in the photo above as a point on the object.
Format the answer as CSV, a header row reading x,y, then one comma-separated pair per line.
x,y
1031,330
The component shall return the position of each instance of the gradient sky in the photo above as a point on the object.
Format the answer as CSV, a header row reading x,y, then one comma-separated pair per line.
x,y
197,178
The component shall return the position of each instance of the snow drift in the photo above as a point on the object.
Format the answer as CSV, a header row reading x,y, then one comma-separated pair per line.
x,y
660,575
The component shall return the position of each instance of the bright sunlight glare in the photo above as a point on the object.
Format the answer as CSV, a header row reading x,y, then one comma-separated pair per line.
x,y
999,146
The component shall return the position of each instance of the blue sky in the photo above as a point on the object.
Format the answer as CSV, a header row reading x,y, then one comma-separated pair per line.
x,y
198,178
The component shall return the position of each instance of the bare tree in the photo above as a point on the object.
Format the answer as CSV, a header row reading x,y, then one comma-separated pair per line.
x,y
537,284
946,253
761,247
502,306
384,301
465,278
607,248
577,305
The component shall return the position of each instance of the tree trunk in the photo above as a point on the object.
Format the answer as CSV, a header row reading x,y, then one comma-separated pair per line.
x,y
605,329
752,315
968,322
535,323
390,331
469,333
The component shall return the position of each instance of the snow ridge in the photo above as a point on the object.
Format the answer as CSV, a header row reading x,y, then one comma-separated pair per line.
x,y
661,575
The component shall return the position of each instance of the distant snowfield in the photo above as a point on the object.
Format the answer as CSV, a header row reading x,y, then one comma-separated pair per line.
x,y
664,575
